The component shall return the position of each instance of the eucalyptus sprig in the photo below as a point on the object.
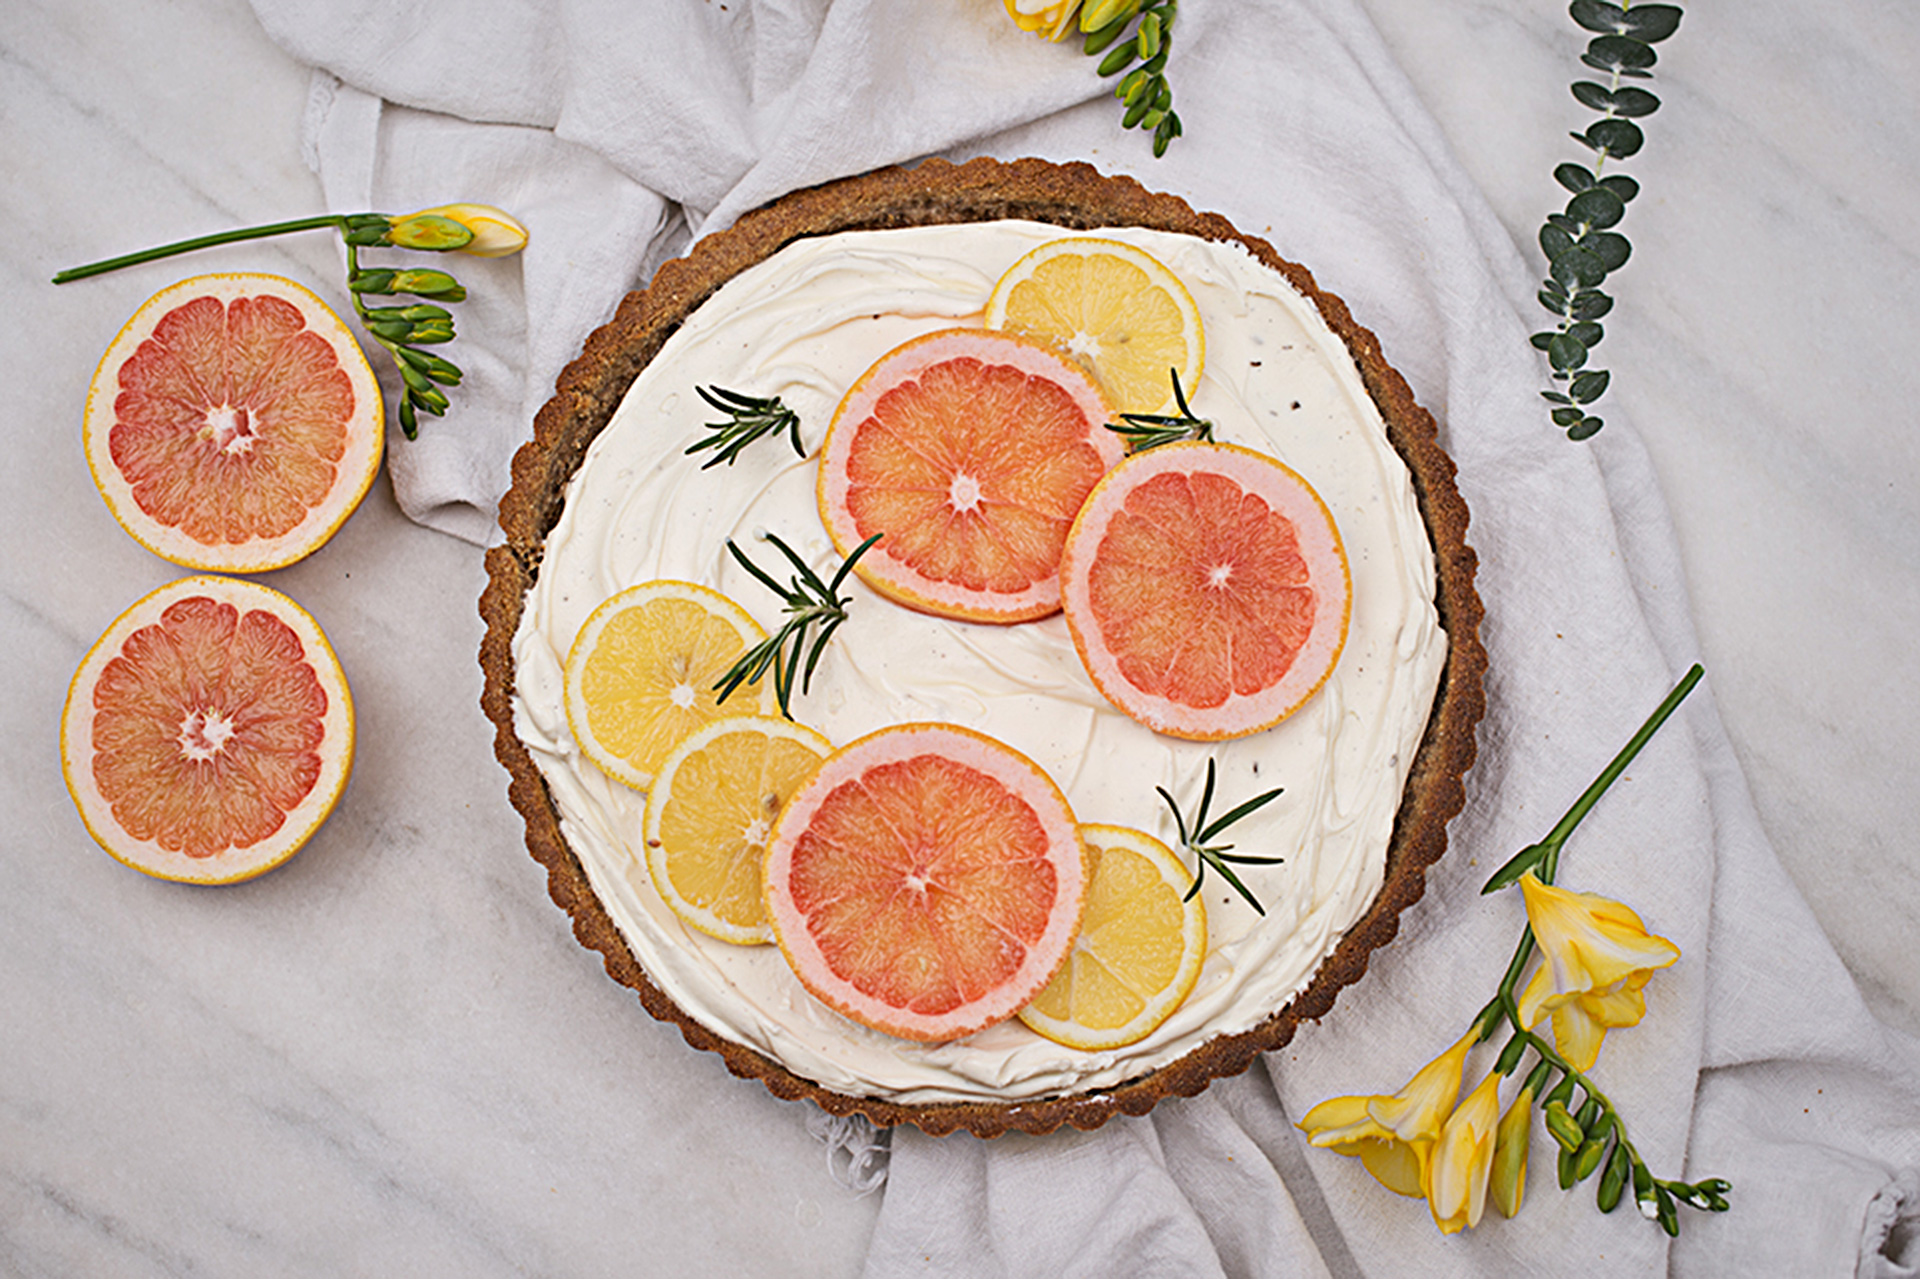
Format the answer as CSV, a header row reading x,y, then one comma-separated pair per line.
x,y
476,229
1195,837
1143,431
1592,1138
748,418
809,601
1581,245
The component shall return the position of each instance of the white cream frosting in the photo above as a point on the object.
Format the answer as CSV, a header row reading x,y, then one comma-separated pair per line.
x,y
804,325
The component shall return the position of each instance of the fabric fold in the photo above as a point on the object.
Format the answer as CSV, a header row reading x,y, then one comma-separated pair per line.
x,y
617,136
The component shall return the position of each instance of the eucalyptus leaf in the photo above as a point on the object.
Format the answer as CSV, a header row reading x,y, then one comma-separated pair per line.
x,y
1587,388
1574,177
1541,339
1597,207
1589,304
1555,397
1620,138
1554,242
1626,101
1578,265
1650,23
1621,185
1621,55
1565,351
1588,428
1612,249
1570,225
1567,416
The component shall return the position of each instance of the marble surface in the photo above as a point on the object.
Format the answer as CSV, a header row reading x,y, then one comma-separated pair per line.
x,y
391,1057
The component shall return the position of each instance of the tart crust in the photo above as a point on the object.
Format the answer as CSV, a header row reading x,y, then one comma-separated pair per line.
x,y
935,191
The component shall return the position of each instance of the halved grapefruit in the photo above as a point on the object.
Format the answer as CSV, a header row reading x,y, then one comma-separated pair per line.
x,y
969,453
926,882
208,733
234,423
1207,590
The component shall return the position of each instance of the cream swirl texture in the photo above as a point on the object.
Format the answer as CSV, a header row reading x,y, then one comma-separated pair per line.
x,y
804,325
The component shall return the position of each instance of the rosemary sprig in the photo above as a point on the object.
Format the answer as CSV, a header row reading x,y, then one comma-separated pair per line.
x,y
1194,838
1143,431
748,418
477,229
1579,242
808,601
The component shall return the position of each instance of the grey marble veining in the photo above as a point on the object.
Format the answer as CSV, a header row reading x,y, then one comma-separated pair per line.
x,y
390,1056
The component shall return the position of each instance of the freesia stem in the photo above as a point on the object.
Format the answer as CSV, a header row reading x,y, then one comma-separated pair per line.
x,y
316,223
1543,858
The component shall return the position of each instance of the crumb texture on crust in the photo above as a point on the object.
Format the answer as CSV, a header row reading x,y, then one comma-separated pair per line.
x,y
1076,196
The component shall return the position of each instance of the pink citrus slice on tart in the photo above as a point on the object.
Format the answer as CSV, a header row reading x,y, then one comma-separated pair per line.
x,y
969,453
927,881
1207,590
208,733
233,424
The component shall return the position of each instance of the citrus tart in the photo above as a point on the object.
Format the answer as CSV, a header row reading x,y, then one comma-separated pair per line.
x,y
877,305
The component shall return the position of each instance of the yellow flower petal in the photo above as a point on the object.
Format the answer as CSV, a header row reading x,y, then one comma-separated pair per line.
x,y
1049,20
1461,1161
1417,1111
1590,943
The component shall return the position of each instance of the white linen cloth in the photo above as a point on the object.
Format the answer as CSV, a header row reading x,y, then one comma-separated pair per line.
x,y
618,132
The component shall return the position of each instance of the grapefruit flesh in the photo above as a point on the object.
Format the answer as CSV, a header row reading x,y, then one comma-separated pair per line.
x,y
926,882
969,453
234,423
208,733
1207,590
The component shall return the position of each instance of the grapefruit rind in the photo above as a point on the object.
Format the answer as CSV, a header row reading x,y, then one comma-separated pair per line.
x,y
748,922
637,770
884,567
299,823
1000,765
353,471
1139,897
1286,493
1140,291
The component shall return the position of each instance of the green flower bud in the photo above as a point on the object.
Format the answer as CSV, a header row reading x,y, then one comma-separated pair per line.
x,y
1118,56
1563,1127
1587,1159
1098,15
428,232
1614,1180
427,284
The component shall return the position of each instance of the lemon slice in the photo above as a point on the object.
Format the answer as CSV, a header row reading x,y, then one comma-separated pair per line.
x,y
641,674
1117,310
709,815
1139,951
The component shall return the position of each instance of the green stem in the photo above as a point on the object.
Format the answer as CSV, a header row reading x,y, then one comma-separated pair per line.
x,y
1591,796
315,223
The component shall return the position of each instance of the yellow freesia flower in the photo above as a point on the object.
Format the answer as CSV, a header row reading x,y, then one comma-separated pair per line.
x,y
1393,1136
1456,1182
1050,20
1598,957
495,232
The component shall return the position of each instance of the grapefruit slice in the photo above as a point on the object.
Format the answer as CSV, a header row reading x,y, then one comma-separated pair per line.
x,y
208,733
1139,951
640,676
234,423
926,881
1207,590
969,453
710,813
1115,309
